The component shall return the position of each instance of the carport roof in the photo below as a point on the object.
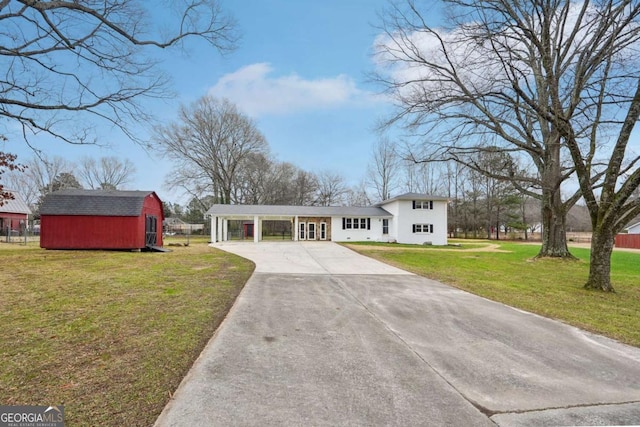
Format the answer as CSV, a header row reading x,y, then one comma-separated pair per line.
x,y
280,211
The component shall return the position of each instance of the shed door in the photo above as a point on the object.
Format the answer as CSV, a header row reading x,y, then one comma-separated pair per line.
x,y
151,230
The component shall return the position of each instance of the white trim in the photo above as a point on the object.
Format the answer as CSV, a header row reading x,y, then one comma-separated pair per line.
x,y
323,230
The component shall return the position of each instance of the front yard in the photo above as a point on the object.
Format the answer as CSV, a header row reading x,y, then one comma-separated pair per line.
x,y
108,334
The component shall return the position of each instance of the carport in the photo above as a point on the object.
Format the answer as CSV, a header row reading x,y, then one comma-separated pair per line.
x,y
252,225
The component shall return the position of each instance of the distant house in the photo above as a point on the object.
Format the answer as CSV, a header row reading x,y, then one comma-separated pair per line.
x,y
631,239
14,214
178,226
409,218
634,229
101,219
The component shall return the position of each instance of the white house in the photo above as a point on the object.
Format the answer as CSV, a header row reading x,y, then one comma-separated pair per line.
x,y
634,229
409,218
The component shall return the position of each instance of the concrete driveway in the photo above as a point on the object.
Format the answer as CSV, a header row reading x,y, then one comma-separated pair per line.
x,y
323,336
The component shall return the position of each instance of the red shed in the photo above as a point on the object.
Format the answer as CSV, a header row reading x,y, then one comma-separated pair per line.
x,y
14,214
101,219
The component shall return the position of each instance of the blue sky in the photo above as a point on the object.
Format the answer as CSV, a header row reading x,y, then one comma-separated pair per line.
x,y
300,70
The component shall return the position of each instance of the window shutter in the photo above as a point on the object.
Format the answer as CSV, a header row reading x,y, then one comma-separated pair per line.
x,y
431,204
368,223
431,228
414,227
414,204
344,223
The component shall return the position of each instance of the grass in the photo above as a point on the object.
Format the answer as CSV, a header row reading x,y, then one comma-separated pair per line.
x,y
109,334
549,287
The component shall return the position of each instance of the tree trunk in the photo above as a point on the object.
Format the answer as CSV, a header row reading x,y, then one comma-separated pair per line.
x,y
600,262
554,236
554,215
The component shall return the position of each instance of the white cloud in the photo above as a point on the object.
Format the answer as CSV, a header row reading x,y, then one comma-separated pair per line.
x,y
258,94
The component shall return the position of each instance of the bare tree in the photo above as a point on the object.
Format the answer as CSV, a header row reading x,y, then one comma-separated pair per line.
x,y
109,173
209,142
558,82
331,189
383,169
282,180
67,63
264,181
423,177
38,177
358,195
455,192
304,188
478,86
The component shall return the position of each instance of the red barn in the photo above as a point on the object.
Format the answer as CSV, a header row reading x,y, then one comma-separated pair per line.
x,y
14,214
101,219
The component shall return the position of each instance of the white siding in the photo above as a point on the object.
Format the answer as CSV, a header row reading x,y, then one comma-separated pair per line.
x,y
404,217
356,235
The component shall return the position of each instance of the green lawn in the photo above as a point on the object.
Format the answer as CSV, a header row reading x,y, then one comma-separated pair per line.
x,y
108,334
550,287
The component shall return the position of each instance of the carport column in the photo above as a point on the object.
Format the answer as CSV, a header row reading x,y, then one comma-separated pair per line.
x,y
214,234
256,229
295,229
219,232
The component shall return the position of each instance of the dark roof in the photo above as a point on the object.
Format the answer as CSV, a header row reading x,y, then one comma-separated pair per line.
x,y
94,202
15,205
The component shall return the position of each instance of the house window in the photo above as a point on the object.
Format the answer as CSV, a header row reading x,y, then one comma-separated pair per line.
x,y
423,228
356,223
385,226
423,204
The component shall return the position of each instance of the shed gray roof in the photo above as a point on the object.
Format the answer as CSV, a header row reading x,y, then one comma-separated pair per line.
x,y
16,205
316,211
94,202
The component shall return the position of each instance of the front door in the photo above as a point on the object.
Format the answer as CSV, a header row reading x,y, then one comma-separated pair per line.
x,y
311,231
302,233
151,230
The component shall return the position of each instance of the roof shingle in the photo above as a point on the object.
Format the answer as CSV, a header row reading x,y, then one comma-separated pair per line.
x,y
94,202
